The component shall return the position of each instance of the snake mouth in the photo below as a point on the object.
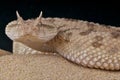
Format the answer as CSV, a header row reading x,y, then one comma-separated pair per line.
x,y
31,41
30,38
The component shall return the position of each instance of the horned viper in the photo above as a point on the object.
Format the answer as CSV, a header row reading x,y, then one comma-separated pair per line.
x,y
84,43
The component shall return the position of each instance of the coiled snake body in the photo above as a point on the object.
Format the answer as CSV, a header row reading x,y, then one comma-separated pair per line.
x,y
84,43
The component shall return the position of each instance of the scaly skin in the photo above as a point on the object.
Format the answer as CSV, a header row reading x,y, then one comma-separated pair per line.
x,y
85,43
3,52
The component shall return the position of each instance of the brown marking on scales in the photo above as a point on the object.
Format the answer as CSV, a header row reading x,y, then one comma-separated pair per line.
x,y
91,29
85,33
96,44
90,24
115,34
98,38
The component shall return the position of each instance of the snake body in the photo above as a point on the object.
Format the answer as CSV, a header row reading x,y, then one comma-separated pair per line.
x,y
84,43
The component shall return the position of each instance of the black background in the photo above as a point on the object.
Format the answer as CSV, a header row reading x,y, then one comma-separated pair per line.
x,y
103,13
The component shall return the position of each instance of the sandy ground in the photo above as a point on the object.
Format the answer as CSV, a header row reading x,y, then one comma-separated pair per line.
x,y
48,67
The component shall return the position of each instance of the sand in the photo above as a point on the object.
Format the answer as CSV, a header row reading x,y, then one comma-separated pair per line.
x,y
48,67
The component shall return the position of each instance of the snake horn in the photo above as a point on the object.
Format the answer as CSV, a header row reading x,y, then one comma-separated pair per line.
x,y
19,18
38,20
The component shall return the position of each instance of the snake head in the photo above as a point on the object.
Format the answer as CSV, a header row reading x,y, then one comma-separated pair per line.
x,y
30,31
